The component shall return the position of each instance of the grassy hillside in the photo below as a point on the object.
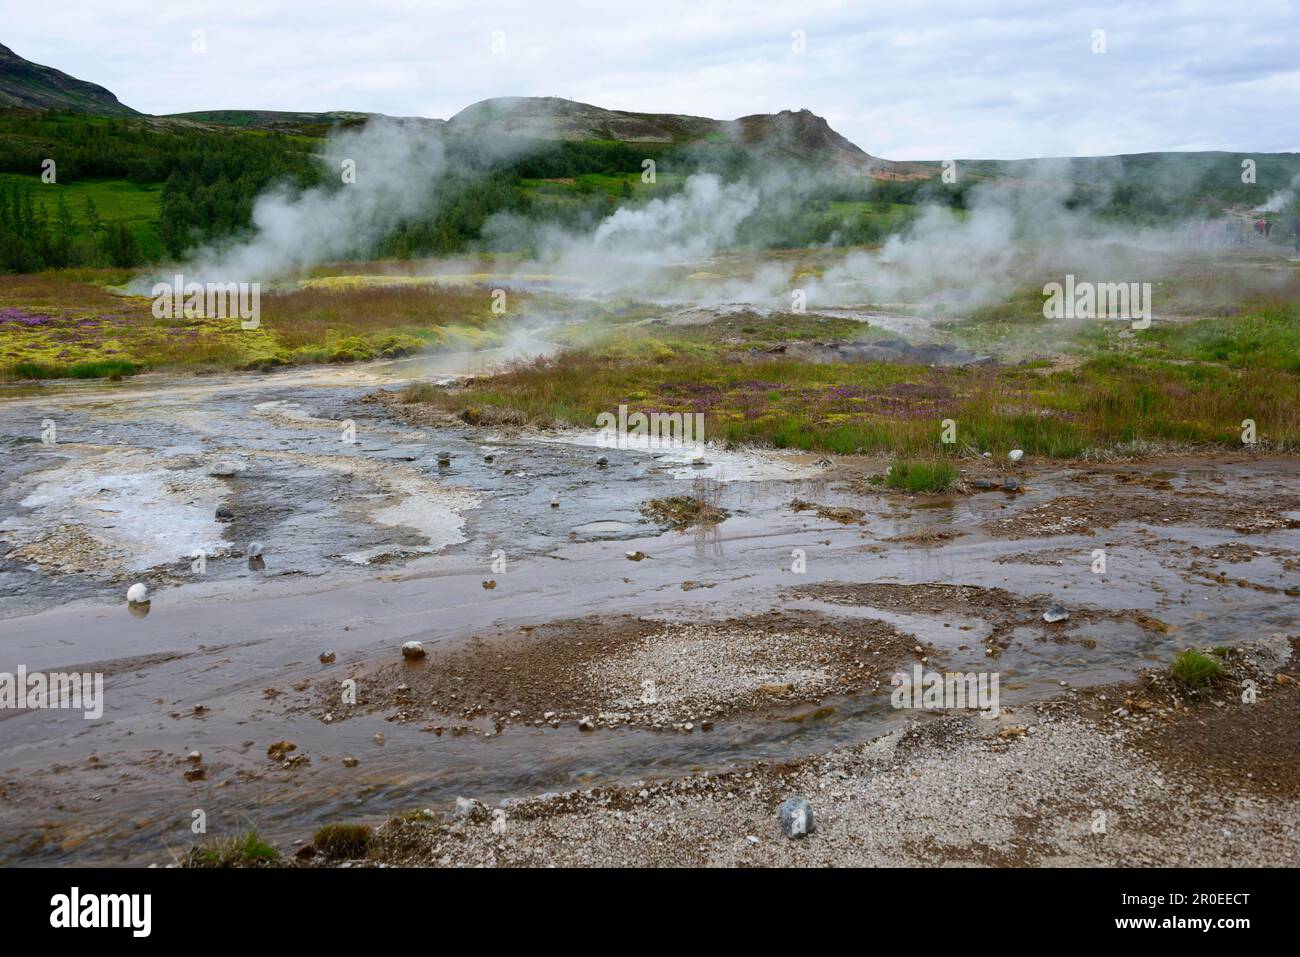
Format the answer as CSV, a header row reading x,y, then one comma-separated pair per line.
x,y
162,186
32,86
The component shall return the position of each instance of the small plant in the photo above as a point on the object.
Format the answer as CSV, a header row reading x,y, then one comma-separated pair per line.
x,y
922,476
245,850
343,841
1194,670
683,511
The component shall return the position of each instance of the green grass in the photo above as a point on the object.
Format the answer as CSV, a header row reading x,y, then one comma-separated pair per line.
x,y
116,200
343,841
932,477
245,850
62,324
1123,398
1195,670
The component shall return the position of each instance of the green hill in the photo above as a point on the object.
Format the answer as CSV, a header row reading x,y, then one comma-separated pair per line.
x,y
31,86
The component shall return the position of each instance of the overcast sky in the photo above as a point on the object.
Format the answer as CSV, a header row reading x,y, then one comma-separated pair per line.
x,y
904,80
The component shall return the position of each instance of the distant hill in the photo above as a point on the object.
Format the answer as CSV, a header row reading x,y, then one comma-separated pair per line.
x,y
801,135
31,86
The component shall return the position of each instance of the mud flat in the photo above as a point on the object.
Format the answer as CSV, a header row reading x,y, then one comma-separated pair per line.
x,y
624,671
781,669
1138,774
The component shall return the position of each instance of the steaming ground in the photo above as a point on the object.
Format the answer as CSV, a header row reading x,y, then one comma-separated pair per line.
x,y
369,545
431,529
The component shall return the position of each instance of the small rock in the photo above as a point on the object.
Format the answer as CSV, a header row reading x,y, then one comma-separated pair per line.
x,y
796,816
489,584
254,550
983,484
224,514
1016,455
194,757
327,657
635,556
1055,613
196,774
138,594
225,469
555,503
413,651
489,458
466,809
1011,484
602,462
350,762
586,724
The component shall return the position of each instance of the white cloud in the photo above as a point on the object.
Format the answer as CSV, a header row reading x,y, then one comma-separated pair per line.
x,y
957,79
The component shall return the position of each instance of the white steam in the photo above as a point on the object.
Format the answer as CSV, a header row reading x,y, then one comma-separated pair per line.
x,y
396,170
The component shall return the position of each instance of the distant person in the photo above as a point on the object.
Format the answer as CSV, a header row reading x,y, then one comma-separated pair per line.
x,y
1268,228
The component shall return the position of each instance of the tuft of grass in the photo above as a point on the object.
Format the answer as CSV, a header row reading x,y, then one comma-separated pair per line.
x,y
688,511
932,477
244,850
1194,670
343,841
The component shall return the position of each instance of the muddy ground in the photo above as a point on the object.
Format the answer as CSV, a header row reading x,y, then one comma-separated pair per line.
x,y
604,672
1119,775
773,634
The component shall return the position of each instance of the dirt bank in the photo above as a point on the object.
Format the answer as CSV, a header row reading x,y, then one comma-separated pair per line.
x,y
1169,780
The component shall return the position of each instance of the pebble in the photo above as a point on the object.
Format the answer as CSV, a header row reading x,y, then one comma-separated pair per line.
x,y
796,816
1015,455
413,651
327,657
138,593
1055,613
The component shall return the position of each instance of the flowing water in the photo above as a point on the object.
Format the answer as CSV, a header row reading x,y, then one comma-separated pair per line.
x,y
368,543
